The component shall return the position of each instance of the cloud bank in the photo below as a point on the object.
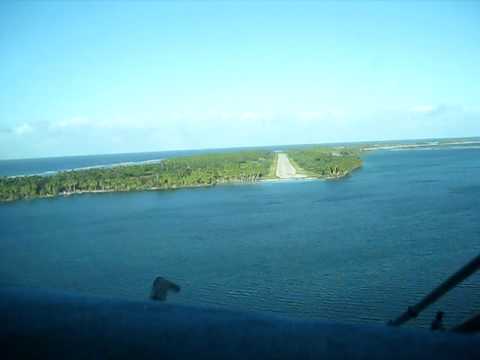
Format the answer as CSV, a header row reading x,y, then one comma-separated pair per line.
x,y
215,129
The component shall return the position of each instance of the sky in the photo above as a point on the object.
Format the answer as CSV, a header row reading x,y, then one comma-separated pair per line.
x,y
82,78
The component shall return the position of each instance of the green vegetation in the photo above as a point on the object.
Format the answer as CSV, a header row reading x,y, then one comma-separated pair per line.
x,y
188,171
199,170
273,167
323,162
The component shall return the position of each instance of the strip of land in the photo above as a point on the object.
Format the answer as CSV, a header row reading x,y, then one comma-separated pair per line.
x,y
188,171
420,145
285,169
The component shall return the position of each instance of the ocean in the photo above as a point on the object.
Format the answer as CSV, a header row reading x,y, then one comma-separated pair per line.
x,y
356,250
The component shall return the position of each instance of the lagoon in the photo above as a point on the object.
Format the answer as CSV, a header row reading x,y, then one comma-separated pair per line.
x,y
359,249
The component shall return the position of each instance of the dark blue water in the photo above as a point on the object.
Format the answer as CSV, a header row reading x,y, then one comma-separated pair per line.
x,y
355,250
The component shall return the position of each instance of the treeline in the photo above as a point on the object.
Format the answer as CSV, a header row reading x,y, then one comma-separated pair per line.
x,y
326,162
198,170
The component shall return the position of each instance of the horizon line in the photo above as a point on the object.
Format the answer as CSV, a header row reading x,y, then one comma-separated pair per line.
x,y
239,147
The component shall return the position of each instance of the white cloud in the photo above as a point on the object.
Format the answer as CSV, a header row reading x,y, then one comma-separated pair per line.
x,y
255,116
71,123
85,122
424,109
217,115
326,114
310,115
23,129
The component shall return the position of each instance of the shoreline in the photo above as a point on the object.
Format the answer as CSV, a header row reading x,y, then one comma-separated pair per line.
x,y
246,171
186,187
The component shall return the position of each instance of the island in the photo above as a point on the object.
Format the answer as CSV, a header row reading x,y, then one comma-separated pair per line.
x,y
188,171
325,162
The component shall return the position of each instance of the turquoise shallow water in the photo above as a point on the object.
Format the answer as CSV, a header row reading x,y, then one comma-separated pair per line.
x,y
355,250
